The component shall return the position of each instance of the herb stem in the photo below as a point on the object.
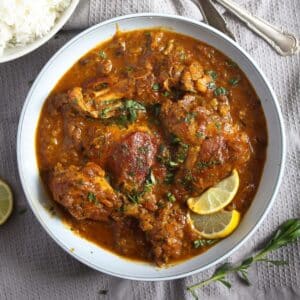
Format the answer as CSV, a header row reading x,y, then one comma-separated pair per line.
x,y
288,232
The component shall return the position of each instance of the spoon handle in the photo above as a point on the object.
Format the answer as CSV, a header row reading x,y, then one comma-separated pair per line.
x,y
284,43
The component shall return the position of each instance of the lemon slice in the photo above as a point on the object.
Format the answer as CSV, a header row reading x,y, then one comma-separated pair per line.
x,y
215,226
216,197
6,202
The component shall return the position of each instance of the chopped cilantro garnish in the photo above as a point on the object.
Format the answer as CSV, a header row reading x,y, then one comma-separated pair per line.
x,y
101,86
169,178
231,63
220,91
128,69
187,179
189,117
143,149
102,54
166,94
171,197
200,135
211,85
212,74
207,164
91,197
218,125
234,81
203,243
156,87
103,114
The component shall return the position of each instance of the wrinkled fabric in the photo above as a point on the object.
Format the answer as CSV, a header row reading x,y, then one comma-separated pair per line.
x,y
33,266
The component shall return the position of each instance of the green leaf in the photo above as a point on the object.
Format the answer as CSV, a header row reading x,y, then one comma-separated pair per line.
x,y
171,197
195,296
200,135
134,197
207,164
203,243
104,113
169,179
244,276
156,87
212,74
231,63
211,85
189,117
223,269
234,81
247,262
225,282
102,54
220,91
175,139
288,232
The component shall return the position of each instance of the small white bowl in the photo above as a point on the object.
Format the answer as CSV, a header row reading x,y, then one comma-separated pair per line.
x,y
87,252
18,51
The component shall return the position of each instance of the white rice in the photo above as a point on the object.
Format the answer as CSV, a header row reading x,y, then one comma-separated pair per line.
x,y
24,21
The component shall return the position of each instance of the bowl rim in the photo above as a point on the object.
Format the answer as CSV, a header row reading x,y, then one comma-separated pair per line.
x,y
277,180
26,49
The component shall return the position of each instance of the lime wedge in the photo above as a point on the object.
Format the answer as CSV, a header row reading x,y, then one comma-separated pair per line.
x,y
6,202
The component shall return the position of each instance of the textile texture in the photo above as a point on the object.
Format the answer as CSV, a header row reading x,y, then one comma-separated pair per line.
x,y
33,266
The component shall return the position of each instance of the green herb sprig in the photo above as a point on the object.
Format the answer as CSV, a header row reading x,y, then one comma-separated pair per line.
x,y
123,114
136,196
287,233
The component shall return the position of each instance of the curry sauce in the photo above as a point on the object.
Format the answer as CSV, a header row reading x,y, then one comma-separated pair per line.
x,y
138,125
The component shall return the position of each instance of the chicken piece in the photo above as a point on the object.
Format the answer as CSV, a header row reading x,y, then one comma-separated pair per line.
x,y
185,120
132,159
169,47
193,78
187,81
214,148
202,83
118,44
74,132
156,41
84,192
170,73
104,67
146,89
206,165
93,103
196,70
165,230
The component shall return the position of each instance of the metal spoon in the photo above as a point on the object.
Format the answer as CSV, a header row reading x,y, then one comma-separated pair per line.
x,y
284,43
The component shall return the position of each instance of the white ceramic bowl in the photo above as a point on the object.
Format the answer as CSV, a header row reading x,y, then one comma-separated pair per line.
x,y
16,52
87,252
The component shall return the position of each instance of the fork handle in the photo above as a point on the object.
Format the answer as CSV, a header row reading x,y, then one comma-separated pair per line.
x,y
284,43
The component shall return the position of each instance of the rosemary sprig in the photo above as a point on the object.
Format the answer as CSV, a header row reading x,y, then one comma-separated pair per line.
x,y
288,232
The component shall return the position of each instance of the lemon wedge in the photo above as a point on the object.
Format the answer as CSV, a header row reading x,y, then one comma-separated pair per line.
x,y
216,197
215,226
6,202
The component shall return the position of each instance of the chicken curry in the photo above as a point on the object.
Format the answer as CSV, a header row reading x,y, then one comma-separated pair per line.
x,y
137,126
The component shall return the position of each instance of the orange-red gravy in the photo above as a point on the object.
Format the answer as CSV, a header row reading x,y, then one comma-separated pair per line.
x,y
245,109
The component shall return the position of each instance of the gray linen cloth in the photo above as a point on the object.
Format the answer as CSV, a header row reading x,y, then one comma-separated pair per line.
x,y
32,266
